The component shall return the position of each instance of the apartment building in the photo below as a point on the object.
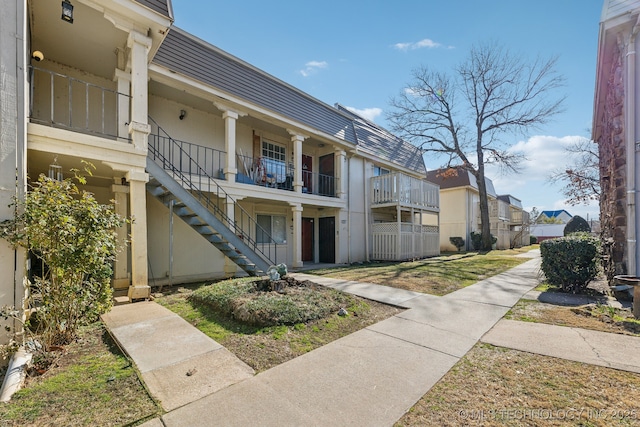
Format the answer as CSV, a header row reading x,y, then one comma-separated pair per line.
x,y
224,169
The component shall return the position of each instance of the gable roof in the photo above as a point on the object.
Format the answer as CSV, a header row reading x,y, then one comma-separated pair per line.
x,y
185,54
462,178
163,7
555,214
376,140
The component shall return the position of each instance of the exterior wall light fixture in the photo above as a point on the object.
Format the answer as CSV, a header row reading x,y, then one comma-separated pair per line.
x,y
67,11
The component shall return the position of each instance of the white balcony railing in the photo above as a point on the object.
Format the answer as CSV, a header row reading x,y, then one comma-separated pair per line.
x,y
499,209
398,188
62,101
408,241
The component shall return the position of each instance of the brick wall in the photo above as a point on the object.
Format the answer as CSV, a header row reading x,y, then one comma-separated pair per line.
x,y
613,171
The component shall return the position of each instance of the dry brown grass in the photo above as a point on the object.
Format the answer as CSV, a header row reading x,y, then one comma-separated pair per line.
x,y
436,276
493,386
592,316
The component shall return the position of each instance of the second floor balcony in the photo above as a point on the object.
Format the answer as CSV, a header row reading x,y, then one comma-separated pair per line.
x,y
66,102
196,159
399,189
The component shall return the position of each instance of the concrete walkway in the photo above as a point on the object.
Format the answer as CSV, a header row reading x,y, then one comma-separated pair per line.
x,y
369,378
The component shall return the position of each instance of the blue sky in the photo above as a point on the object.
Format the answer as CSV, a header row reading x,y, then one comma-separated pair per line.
x,y
361,53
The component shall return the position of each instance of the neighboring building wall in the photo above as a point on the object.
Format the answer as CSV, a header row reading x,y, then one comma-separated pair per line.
x,y
613,165
13,114
459,205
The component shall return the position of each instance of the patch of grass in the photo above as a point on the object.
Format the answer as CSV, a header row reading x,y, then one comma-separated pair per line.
x,y
597,317
267,346
494,386
437,276
92,383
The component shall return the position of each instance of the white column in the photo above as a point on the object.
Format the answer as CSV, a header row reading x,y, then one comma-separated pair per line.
x,y
139,270
139,128
297,235
121,275
230,170
341,174
297,139
124,90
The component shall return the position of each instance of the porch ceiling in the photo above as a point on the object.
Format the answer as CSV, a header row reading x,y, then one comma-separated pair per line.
x,y
38,162
70,44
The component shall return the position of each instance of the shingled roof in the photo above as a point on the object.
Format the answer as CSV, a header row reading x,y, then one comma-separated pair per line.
x,y
461,178
185,54
376,140
163,7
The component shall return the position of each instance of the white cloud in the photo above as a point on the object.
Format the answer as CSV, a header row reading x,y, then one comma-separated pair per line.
x,y
544,154
312,67
368,113
424,43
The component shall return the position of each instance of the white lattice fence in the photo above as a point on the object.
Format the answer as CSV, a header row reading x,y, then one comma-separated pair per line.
x,y
415,241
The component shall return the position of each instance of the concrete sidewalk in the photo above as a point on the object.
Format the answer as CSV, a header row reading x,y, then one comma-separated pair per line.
x,y
369,378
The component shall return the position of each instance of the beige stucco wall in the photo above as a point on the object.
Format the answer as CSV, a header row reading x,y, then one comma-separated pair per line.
x,y
457,208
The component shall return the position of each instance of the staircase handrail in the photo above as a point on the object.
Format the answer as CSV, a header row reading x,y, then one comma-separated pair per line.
x,y
221,194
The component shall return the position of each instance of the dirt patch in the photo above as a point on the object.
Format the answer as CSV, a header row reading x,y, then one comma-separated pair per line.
x,y
493,386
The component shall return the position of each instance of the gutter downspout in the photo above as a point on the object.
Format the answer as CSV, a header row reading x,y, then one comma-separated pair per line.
x,y
632,156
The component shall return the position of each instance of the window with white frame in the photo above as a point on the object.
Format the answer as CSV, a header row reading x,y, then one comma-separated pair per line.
x,y
271,225
274,160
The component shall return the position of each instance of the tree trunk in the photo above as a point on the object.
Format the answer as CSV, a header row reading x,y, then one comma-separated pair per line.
x,y
485,222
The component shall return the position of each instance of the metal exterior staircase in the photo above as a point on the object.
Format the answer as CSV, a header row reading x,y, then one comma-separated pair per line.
x,y
200,202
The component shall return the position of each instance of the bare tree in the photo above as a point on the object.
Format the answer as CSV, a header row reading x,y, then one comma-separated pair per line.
x,y
465,116
581,177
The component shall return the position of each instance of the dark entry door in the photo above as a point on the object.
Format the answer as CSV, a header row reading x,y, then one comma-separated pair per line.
x,y
307,239
327,239
326,180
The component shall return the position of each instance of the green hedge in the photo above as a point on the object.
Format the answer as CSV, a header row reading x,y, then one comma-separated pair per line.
x,y
570,262
577,224
476,240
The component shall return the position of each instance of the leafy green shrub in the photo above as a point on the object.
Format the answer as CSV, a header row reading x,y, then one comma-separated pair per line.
x,y
533,240
476,240
570,262
252,303
577,224
75,237
458,242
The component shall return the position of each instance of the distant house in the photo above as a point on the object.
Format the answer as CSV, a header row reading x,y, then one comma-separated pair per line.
x,y
560,216
547,231
460,210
